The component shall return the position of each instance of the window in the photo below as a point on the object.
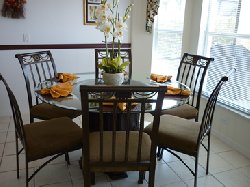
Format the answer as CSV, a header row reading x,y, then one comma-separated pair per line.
x,y
168,29
227,40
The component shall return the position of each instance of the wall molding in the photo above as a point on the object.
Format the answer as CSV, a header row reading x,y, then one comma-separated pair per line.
x,y
61,46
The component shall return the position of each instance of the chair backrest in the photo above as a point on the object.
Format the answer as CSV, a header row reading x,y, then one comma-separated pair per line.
x,y
126,55
208,114
134,100
37,67
16,112
191,72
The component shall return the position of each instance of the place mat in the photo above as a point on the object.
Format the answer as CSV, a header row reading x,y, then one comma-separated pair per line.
x,y
173,91
58,90
122,106
65,77
160,78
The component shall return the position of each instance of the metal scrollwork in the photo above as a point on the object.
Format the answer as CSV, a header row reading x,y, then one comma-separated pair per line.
x,y
196,61
36,58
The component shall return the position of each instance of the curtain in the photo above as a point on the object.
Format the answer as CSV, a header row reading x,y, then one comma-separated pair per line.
x,y
152,10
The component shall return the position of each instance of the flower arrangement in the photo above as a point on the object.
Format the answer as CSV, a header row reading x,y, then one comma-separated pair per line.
x,y
13,8
112,25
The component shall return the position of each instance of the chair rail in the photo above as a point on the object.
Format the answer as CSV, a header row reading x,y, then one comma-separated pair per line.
x,y
60,46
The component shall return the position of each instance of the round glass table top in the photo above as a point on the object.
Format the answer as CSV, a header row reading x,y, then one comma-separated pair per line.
x,y
73,101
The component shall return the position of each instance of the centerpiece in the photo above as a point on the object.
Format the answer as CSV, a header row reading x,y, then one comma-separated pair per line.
x,y
112,25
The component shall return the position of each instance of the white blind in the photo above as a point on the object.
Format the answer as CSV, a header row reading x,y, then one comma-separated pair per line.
x,y
168,29
227,40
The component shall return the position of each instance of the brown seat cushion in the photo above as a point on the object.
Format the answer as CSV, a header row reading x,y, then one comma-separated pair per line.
x,y
120,146
184,111
177,134
47,111
51,137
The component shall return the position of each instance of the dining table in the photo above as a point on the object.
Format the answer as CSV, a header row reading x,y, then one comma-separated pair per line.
x,y
73,101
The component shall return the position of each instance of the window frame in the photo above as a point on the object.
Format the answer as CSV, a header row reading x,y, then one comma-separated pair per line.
x,y
204,46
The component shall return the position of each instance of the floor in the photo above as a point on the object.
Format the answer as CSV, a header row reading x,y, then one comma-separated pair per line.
x,y
227,167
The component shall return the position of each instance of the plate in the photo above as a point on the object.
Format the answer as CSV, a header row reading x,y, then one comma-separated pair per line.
x,y
155,82
159,83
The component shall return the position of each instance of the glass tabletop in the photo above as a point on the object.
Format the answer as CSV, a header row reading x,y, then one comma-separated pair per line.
x,y
73,101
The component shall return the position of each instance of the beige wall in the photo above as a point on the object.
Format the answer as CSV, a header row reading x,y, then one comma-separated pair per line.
x,y
141,42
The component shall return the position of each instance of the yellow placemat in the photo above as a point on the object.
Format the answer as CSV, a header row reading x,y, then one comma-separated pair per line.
x,y
177,91
58,90
160,78
65,77
122,106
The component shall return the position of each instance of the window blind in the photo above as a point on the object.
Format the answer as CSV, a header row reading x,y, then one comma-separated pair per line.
x,y
227,40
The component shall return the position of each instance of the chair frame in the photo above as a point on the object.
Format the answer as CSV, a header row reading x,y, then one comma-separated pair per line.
x,y
191,72
20,134
38,67
205,131
198,66
126,55
43,65
123,94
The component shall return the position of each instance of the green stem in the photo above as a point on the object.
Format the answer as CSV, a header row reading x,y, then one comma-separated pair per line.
x,y
106,46
119,48
113,50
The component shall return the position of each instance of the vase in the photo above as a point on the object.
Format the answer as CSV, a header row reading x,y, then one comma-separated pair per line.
x,y
113,78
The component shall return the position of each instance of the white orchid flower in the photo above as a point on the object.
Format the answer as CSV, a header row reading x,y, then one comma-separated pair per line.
x,y
120,25
109,22
106,28
118,34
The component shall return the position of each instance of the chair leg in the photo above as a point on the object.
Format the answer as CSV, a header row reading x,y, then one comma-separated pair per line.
x,y
141,177
159,153
17,156
151,178
196,170
31,119
86,178
208,153
67,158
27,171
92,177
80,162
196,118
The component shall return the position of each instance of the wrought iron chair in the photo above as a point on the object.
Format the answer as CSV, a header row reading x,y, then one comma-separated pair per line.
x,y
53,137
38,67
191,72
119,150
126,55
186,136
